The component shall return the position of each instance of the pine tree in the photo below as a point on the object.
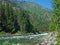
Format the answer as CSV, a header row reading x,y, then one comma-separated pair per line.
x,y
55,23
0,17
12,24
24,21
8,20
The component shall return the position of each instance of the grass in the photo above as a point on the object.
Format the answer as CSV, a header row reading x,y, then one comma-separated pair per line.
x,y
58,40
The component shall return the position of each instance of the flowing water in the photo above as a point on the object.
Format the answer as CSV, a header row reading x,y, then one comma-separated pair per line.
x,y
31,39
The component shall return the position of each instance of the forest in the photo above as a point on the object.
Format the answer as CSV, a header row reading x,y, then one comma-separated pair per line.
x,y
15,18
23,17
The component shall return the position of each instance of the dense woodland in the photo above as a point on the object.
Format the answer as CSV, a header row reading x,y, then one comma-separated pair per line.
x,y
14,20
15,17
55,22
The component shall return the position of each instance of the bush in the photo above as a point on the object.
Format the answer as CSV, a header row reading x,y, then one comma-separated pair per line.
x,y
8,43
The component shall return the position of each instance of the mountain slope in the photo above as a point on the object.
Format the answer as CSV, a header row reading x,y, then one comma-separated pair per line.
x,y
39,16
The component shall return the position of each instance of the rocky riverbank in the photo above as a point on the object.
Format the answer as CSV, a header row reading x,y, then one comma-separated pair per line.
x,y
48,40
39,39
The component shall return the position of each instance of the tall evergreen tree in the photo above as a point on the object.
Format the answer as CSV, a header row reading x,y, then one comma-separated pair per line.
x,y
0,17
56,19
55,23
12,24
24,21
8,20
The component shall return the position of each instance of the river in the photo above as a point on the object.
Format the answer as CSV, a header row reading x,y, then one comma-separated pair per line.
x,y
22,39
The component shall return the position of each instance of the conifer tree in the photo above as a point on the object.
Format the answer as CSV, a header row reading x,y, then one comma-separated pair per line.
x,y
55,22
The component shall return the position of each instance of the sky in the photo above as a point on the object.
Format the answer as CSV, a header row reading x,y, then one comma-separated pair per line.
x,y
44,3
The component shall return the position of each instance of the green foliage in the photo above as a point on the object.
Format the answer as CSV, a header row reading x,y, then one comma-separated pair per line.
x,y
57,13
8,21
58,40
52,26
39,16
55,23
24,21
23,17
51,44
56,18
14,19
8,43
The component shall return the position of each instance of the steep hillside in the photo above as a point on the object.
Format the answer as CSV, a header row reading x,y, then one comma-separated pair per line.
x,y
38,12
39,16
23,16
